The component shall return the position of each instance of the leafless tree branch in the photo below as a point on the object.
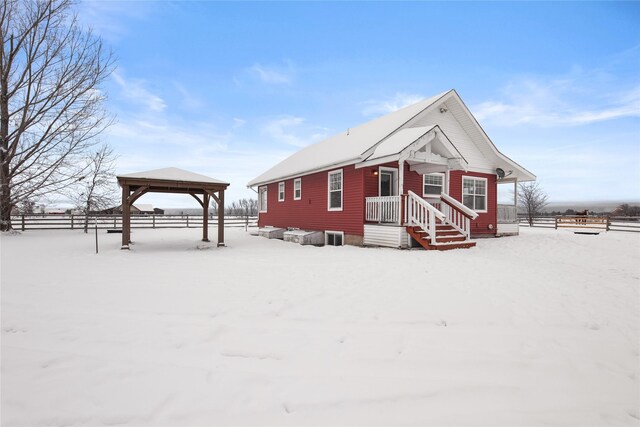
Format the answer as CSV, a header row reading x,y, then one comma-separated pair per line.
x,y
51,105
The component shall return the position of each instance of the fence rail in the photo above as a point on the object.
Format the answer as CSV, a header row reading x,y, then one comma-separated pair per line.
x,y
76,222
616,223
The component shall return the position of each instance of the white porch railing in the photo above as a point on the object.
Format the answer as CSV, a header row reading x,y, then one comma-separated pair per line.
x,y
419,212
458,215
507,214
383,209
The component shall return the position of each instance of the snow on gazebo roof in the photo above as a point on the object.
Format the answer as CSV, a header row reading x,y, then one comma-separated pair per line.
x,y
173,174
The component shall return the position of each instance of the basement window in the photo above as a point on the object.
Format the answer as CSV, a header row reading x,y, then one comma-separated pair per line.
x,y
334,238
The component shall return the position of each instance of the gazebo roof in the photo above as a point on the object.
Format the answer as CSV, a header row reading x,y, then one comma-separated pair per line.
x,y
172,174
172,180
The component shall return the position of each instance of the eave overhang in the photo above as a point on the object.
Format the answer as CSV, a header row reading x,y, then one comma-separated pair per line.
x,y
425,149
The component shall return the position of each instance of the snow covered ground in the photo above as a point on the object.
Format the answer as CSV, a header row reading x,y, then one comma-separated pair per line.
x,y
540,329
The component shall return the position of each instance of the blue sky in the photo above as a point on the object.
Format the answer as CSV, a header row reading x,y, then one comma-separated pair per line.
x,y
227,89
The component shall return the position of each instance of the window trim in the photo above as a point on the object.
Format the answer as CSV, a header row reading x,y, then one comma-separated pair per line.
x,y
442,186
281,191
329,174
326,237
486,193
265,189
394,179
299,182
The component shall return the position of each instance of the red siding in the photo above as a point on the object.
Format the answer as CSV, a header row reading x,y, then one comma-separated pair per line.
x,y
481,224
311,212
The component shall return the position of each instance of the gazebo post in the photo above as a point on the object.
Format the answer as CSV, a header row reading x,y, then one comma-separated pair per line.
x,y
205,217
126,217
176,181
221,217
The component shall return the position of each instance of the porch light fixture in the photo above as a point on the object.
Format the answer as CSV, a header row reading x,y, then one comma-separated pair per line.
x,y
443,110
374,172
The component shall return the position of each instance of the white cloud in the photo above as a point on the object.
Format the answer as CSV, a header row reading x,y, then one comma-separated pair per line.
x,y
287,129
386,106
568,101
108,18
188,99
238,122
135,90
273,74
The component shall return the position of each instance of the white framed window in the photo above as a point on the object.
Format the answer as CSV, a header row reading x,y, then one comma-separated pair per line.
x,y
335,190
281,191
432,184
474,193
334,238
297,189
262,199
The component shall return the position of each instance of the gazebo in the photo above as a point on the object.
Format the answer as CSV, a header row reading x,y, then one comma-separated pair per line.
x,y
172,180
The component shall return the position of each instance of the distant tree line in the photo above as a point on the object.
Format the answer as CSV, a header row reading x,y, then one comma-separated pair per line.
x,y
243,207
624,209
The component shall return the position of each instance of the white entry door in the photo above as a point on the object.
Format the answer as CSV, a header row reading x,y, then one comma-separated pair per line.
x,y
388,182
388,186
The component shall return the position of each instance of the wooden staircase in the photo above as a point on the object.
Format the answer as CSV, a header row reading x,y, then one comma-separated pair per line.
x,y
447,238
438,230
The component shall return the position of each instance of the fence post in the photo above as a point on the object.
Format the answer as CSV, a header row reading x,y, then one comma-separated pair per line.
x,y
23,222
154,221
187,220
72,221
556,222
608,223
114,221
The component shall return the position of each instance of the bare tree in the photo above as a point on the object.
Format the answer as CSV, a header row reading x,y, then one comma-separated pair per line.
x,y
625,209
532,199
243,208
50,102
97,189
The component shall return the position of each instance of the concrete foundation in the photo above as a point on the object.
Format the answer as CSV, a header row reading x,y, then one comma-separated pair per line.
x,y
353,239
271,232
302,237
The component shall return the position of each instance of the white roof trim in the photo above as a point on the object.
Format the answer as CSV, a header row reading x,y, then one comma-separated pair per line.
x,y
528,176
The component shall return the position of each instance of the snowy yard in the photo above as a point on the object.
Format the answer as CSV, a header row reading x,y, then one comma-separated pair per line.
x,y
540,329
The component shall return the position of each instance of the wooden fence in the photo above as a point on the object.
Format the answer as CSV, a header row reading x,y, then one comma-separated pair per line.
x,y
76,222
608,223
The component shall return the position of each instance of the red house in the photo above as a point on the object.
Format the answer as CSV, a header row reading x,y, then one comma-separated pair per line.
x,y
427,174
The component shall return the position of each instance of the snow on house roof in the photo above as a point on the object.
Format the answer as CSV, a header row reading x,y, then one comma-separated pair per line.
x,y
344,148
386,136
399,141
173,174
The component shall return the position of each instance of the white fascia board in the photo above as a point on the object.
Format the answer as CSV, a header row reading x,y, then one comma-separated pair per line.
x,y
304,173
437,101
378,161
441,132
528,176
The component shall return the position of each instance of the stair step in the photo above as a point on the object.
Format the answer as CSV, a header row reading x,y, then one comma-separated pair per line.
x,y
443,239
453,245
446,239
444,227
451,232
